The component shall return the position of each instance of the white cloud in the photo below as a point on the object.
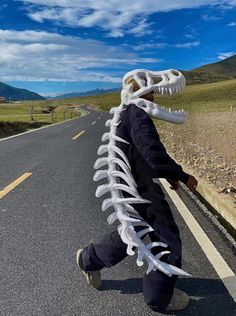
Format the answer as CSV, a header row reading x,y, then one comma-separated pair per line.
x,y
232,24
116,17
189,36
187,45
164,45
40,56
50,94
208,18
222,56
142,29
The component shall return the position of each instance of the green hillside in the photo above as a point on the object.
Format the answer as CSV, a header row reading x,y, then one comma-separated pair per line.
x,y
218,96
222,70
15,94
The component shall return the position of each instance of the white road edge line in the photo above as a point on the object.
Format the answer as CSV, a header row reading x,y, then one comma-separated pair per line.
x,y
226,275
36,129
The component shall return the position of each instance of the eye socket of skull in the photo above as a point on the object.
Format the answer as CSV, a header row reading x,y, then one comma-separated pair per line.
x,y
135,85
175,73
158,80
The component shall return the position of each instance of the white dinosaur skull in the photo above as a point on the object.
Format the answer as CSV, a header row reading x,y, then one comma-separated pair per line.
x,y
169,82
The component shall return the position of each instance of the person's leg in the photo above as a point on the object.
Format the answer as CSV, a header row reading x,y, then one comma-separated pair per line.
x,y
158,290
106,253
157,287
109,251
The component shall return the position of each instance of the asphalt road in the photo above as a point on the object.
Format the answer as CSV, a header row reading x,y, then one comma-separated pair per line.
x,y
46,218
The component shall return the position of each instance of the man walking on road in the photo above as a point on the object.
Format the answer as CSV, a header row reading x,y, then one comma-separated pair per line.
x,y
148,159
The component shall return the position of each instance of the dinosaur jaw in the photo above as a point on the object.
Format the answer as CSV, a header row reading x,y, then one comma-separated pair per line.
x,y
156,111
160,112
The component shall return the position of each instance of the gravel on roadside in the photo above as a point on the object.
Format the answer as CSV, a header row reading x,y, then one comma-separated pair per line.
x,y
207,144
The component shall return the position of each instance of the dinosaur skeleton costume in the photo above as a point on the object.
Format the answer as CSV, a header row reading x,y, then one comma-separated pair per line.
x,y
134,155
171,81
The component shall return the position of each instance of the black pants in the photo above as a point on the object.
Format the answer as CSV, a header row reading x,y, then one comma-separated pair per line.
x,y
157,287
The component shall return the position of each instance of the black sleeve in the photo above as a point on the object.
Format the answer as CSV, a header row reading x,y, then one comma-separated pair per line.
x,y
145,137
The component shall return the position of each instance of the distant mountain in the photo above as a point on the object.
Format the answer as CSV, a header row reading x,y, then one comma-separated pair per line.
x,y
15,94
83,94
219,71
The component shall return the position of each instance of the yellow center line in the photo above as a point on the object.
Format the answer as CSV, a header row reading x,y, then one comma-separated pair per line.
x,y
78,135
94,122
14,184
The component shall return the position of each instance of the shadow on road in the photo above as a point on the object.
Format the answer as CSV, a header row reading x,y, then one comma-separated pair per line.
x,y
207,296
129,286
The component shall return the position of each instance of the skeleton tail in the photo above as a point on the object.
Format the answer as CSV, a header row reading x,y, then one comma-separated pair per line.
x,y
118,167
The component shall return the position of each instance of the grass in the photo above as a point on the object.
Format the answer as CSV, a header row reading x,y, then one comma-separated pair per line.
x,y
44,118
17,118
211,97
22,112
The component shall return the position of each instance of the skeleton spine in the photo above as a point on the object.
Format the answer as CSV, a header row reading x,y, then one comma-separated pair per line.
x,y
124,212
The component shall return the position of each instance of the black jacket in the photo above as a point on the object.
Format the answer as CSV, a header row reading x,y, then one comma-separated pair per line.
x,y
147,155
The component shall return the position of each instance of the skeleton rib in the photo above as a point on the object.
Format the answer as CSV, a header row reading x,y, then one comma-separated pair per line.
x,y
121,154
123,176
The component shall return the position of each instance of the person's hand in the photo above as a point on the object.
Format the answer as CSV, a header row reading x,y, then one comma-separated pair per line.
x,y
174,184
192,183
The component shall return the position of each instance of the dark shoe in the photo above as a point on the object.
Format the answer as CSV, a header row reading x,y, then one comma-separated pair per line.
x,y
93,277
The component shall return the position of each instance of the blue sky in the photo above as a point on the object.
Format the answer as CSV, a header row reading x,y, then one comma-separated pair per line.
x,y
58,46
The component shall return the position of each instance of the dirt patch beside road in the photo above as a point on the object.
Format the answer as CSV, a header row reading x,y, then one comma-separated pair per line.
x,y
13,128
207,144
